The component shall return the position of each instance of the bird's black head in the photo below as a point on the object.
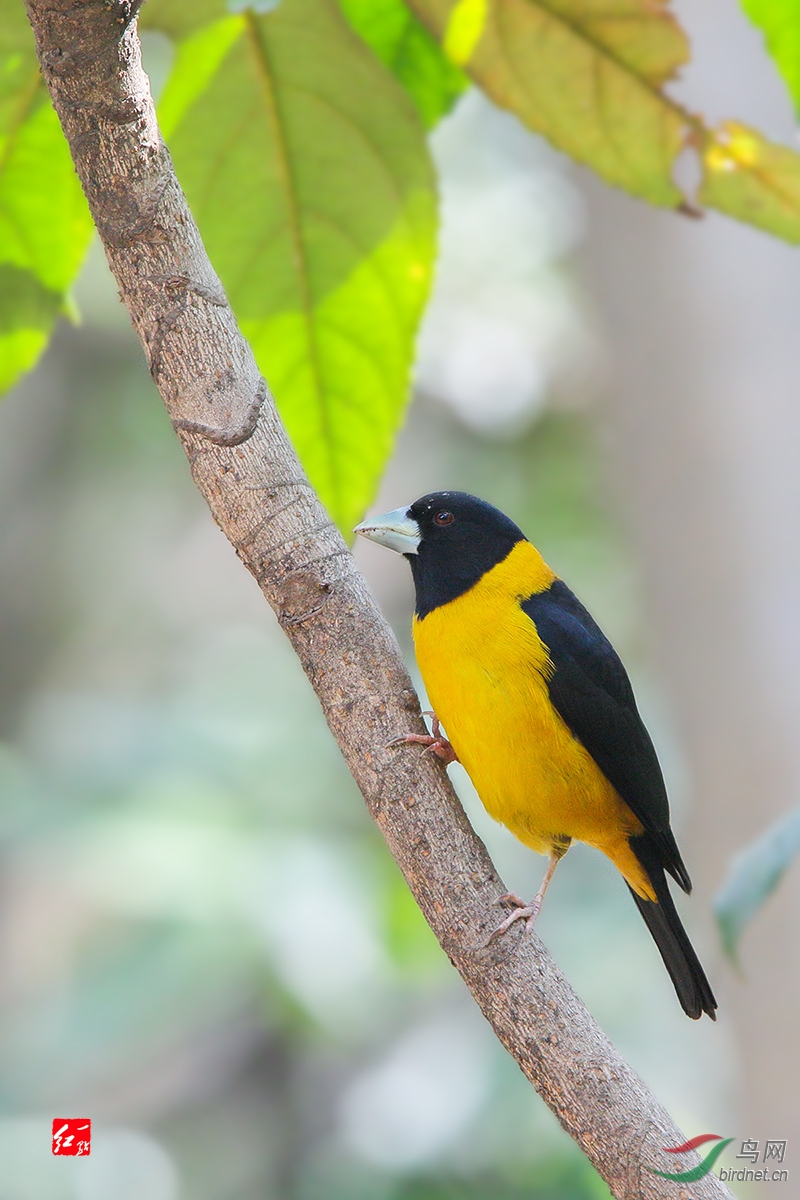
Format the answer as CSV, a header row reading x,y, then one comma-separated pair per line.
x,y
451,539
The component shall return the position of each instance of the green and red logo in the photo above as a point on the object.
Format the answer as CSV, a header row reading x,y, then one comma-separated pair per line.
x,y
702,1168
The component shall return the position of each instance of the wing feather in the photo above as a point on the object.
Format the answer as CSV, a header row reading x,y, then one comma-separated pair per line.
x,y
590,690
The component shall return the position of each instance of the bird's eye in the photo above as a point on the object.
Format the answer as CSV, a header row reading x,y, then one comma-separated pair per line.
x,y
443,518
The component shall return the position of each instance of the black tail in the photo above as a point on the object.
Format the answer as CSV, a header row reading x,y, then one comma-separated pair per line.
x,y
661,918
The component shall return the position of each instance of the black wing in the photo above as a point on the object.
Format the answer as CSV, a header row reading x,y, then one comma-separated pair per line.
x,y
591,692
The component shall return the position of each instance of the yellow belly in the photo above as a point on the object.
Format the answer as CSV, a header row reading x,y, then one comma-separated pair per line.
x,y
486,671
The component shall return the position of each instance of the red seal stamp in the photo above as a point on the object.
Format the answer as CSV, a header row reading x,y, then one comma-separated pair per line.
x,y
72,1135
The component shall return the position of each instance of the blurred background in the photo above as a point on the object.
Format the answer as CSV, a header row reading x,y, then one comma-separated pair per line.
x,y
205,946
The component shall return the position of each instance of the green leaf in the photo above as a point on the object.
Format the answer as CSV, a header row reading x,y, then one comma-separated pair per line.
x,y
308,172
586,74
757,181
45,225
753,876
404,45
779,21
28,311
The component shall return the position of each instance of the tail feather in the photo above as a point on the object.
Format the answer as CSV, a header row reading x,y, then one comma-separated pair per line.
x,y
671,859
661,918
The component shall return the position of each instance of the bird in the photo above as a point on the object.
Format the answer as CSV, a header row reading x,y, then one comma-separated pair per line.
x,y
539,709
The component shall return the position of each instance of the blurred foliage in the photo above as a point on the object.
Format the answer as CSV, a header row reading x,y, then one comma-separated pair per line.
x,y
592,83
301,148
568,1178
45,225
752,878
589,81
779,20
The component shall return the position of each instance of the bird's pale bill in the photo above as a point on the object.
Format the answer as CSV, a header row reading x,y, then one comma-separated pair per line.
x,y
397,530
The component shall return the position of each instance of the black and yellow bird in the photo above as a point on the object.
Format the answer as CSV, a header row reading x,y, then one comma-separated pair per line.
x,y
539,709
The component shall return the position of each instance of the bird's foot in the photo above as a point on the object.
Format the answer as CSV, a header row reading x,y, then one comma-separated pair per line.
x,y
529,912
434,741
520,911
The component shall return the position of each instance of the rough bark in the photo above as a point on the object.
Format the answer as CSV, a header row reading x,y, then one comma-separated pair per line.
x,y
255,487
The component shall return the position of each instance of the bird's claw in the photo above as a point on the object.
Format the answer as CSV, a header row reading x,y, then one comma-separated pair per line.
x,y
434,741
519,912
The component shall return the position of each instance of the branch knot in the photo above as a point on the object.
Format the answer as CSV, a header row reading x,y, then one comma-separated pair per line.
x,y
300,596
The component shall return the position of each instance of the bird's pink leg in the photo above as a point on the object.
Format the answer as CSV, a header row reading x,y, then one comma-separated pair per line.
x,y
434,741
527,912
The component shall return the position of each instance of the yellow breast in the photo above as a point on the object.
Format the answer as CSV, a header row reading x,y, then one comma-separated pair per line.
x,y
485,671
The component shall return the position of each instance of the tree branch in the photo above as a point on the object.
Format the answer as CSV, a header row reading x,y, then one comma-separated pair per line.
x,y
245,467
